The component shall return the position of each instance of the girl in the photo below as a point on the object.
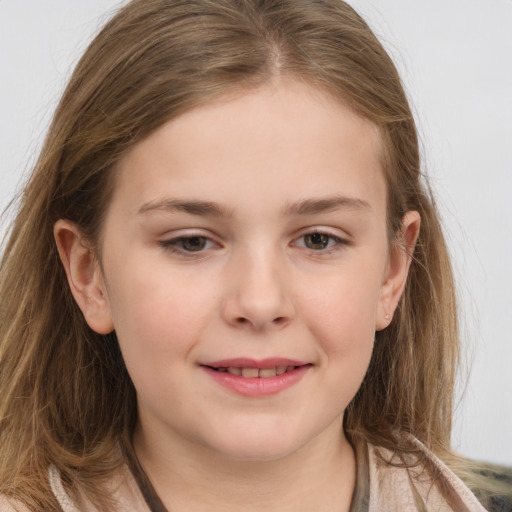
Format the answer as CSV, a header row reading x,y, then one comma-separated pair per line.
x,y
227,286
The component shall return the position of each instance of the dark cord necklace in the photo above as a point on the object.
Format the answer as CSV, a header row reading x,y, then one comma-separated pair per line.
x,y
360,499
146,488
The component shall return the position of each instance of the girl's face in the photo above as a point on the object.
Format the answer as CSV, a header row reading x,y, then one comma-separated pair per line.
x,y
245,239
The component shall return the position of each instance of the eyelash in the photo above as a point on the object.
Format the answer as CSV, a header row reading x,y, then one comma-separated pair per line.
x,y
175,245
334,242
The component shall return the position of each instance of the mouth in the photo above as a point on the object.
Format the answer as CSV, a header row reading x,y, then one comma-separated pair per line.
x,y
255,373
257,378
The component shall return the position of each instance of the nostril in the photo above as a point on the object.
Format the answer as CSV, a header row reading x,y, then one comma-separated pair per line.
x,y
280,320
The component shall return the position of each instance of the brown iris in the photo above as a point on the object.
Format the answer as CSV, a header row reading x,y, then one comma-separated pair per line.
x,y
193,243
316,241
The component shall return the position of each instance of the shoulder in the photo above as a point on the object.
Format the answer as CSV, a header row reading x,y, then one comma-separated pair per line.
x,y
123,492
415,480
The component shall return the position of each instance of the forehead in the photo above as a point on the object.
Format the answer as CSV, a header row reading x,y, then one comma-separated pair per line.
x,y
285,141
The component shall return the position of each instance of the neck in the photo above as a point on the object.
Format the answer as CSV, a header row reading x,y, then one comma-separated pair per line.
x,y
187,477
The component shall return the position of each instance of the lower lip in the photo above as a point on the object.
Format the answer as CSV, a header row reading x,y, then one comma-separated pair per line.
x,y
257,386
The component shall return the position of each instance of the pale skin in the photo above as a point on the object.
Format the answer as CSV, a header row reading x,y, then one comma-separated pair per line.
x,y
252,227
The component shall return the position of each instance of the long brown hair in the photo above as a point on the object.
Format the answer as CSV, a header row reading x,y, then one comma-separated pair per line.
x,y
66,398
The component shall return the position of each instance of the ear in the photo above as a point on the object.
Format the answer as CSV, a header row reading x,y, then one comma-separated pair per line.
x,y
84,275
397,269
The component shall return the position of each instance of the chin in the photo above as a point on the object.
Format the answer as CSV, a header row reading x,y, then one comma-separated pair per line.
x,y
258,445
257,453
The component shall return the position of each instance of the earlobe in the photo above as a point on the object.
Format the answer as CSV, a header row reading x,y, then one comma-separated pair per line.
x,y
400,258
84,275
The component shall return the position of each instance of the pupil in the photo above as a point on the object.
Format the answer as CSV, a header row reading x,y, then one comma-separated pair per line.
x,y
194,243
317,241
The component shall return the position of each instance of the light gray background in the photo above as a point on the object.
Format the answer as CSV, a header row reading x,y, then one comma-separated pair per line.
x,y
455,57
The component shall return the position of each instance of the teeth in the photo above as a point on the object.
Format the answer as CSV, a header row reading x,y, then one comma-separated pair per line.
x,y
249,373
252,373
267,372
280,370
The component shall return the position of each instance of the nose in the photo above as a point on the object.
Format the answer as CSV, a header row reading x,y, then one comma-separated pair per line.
x,y
257,296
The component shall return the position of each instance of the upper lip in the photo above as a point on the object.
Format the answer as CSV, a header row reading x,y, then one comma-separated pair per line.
x,y
243,362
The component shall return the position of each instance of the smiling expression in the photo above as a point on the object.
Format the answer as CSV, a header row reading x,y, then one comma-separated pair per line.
x,y
246,268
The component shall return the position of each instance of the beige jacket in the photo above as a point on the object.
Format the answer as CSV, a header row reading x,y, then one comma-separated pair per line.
x,y
381,487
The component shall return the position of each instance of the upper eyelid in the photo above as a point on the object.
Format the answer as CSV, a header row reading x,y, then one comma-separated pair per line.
x,y
332,232
186,233
175,239
172,246
340,237
336,238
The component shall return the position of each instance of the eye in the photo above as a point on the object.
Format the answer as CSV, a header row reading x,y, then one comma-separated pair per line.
x,y
318,241
187,244
192,243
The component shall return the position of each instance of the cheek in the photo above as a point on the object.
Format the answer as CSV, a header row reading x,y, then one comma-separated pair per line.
x,y
158,312
341,316
158,321
343,307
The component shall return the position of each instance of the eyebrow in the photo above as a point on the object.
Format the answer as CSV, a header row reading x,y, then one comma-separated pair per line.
x,y
202,208
209,208
327,204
